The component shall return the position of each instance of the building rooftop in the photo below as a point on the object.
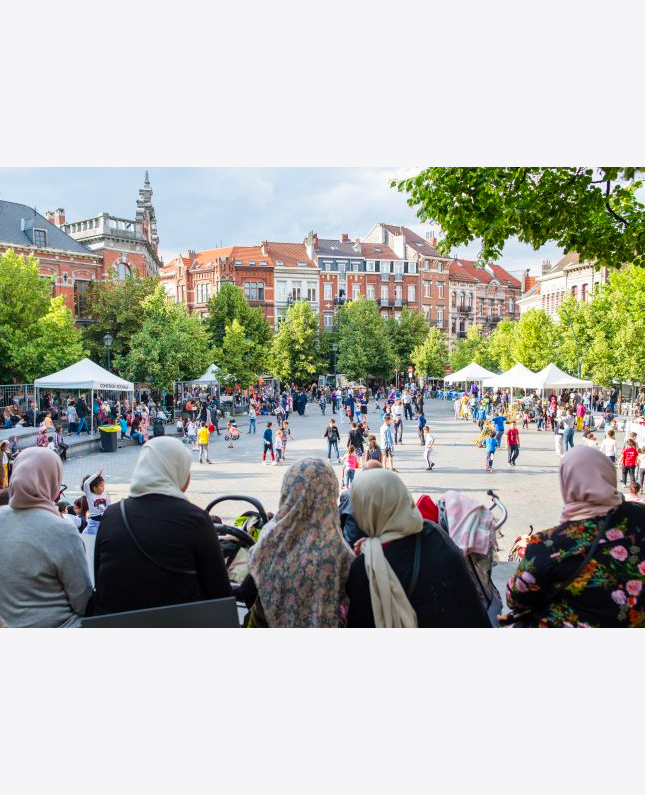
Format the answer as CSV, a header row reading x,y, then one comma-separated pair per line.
x,y
12,216
289,254
459,273
416,242
337,248
377,251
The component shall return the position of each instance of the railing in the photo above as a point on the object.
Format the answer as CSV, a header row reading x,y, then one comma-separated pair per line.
x,y
398,277
339,301
398,303
384,301
461,334
385,277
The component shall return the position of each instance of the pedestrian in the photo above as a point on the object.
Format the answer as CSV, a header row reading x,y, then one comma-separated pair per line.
x,y
428,445
558,432
387,443
513,443
4,464
421,424
491,445
569,428
191,434
608,446
372,451
498,422
279,447
252,416
580,415
332,435
59,441
202,438
397,414
267,442
322,402
364,406
98,499
407,404
72,418
628,459
352,463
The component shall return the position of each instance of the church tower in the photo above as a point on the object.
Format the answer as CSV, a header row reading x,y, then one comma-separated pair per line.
x,y
146,214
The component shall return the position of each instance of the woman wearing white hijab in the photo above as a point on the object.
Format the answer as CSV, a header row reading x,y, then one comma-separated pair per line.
x,y
410,574
156,548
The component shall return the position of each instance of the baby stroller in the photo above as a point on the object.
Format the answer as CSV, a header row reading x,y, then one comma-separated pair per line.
x,y
474,528
232,433
238,538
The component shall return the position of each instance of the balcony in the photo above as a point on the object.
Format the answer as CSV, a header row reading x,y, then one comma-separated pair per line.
x,y
398,277
339,301
461,335
398,303
385,277
493,320
465,310
387,302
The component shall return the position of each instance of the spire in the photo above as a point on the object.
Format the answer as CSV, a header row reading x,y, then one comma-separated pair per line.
x,y
146,181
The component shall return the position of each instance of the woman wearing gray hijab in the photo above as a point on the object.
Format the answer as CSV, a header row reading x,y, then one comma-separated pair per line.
x,y
408,573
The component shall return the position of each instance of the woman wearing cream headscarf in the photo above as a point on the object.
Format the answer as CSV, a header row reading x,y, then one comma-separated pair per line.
x,y
597,552
175,556
383,588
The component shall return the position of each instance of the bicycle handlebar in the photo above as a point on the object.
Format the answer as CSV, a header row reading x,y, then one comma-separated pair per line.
x,y
239,498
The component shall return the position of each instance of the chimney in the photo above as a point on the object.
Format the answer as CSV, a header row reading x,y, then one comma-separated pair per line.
x,y
56,217
191,253
344,238
432,241
265,248
357,245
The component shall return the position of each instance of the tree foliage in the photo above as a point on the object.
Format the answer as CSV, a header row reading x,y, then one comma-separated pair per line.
x,y
57,343
473,348
235,357
591,210
406,333
171,345
431,356
116,308
230,304
295,351
500,345
365,348
534,341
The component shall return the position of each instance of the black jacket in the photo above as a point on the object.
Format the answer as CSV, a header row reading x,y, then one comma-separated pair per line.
x,y
445,595
175,533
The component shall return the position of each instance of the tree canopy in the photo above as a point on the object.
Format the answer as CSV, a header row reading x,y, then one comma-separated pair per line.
x,y
365,347
171,345
406,333
473,348
230,304
591,210
235,356
57,344
295,351
431,356
115,308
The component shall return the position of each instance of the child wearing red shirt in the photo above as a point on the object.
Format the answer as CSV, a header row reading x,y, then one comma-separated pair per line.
x,y
513,444
628,460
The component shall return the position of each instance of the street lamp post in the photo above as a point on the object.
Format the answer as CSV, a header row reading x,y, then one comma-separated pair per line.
x,y
107,341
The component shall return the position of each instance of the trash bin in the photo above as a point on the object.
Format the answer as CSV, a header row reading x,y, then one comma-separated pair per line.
x,y
109,436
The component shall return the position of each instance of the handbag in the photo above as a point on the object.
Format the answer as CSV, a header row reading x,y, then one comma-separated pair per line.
x,y
520,619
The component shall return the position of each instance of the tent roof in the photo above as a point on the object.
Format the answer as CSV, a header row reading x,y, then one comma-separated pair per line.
x,y
473,372
518,376
85,374
210,376
553,377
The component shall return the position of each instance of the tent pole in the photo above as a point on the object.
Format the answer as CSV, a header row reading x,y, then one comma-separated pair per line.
x,y
92,413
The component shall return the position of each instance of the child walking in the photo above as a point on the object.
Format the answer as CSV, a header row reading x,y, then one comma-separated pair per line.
x,y
352,463
628,460
98,499
513,443
280,443
491,445
427,449
191,434
203,438
267,440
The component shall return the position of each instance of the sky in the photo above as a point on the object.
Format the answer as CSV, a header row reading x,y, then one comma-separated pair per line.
x,y
201,208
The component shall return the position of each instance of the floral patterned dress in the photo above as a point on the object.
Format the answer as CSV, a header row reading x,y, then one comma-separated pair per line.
x,y
608,592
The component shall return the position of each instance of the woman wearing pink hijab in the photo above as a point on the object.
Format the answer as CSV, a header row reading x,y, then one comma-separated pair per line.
x,y
589,570
44,579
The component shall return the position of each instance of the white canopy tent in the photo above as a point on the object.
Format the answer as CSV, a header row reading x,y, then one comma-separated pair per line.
x,y
518,377
472,372
211,376
552,377
85,375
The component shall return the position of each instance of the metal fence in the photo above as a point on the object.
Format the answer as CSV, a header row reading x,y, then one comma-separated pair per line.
x,y
16,395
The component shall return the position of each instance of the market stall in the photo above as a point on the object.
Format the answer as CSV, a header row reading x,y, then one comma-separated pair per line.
x,y
83,377
471,373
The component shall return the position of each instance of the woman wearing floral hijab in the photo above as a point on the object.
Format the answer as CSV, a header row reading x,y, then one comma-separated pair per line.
x,y
300,564
589,570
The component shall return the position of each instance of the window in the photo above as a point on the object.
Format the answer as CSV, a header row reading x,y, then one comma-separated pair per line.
x,y
341,267
491,306
583,295
454,300
278,262
281,293
370,265
254,291
500,307
412,267
511,301
462,301
328,320
412,292
385,292
440,317
281,319
356,291
295,293
311,294
574,293
263,264
202,292
385,266
427,288
470,300
300,264
398,292
355,267
440,267
328,293
238,261
398,267
123,271
371,292
81,297
40,238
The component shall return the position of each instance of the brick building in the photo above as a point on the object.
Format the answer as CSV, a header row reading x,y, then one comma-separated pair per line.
x,y
70,264
125,244
296,278
462,286
192,279
496,295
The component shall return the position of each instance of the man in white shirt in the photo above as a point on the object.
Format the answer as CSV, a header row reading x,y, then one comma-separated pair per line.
x,y
397,414
407,404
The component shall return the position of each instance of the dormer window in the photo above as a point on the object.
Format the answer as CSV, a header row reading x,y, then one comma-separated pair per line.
x,y
238,261
378,249
279,263
302,264
263,264
251,263
40,238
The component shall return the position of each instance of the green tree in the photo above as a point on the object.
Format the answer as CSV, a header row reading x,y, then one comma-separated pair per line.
x,y
235,357
431,356
230,304
475,347
171,345
534,343
295,352
574,330
500,345
57,343
591,210
116,308
406,334
364,344
24,301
